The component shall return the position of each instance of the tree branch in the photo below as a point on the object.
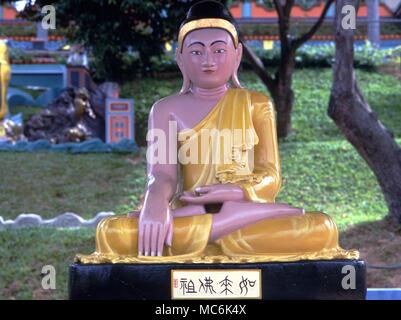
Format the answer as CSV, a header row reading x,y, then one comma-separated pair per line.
x,y
279,9
259,68
283,13
288,7
301,40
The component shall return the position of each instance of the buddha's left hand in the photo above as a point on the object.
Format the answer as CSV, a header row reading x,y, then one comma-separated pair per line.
x,y
216,193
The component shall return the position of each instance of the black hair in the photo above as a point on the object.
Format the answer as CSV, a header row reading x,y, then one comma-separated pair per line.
x,y
207,9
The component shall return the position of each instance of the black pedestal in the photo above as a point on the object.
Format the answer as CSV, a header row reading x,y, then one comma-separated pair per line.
x,y
324,279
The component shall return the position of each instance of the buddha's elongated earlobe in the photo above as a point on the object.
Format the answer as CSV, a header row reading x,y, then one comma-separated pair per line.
x,y
186,83
234,77
235,80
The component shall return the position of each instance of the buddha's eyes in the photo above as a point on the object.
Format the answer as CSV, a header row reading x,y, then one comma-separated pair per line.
x,y
196,52
220,51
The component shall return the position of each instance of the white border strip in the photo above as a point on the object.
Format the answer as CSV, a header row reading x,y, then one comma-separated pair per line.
x,y
65,220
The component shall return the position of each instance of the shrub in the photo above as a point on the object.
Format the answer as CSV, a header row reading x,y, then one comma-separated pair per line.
x,y
365,57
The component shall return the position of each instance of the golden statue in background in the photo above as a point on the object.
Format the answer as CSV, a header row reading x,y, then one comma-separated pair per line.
x,y
5,74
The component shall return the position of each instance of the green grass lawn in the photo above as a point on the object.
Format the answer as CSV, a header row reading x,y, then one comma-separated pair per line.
x,y
50,184
321,171
23,253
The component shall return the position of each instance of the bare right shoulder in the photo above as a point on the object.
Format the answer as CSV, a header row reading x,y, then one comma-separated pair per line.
x,y
167,105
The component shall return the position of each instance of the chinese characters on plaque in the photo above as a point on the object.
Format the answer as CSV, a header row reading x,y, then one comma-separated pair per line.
x,y
216,284
119,119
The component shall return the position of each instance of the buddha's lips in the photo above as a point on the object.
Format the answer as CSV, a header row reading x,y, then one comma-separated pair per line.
x,y
208,70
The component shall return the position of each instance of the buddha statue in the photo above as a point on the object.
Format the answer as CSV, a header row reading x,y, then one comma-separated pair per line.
x,y
208,199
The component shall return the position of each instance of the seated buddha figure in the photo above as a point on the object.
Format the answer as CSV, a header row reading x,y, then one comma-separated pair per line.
x,y
213,199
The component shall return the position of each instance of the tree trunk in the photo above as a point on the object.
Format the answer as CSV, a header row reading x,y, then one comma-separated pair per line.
x,y
353,115
283,96
373,22
283,100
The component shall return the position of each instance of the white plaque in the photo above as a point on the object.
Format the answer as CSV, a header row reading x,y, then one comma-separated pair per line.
x,y
216,284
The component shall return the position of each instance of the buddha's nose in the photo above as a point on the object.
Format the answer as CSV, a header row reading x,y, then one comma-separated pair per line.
x,y
208,61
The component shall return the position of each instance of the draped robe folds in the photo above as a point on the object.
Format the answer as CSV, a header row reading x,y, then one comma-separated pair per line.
x,y
249,158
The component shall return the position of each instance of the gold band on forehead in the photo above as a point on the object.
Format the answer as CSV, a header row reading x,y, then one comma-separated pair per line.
x,y
206,23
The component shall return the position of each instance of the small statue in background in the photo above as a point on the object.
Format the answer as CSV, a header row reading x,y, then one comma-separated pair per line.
x,y
82,104
5,74
78,56
14,129
11,127
64,119
78,114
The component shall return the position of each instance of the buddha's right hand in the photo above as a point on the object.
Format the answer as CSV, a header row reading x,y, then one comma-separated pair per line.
x,y
155,227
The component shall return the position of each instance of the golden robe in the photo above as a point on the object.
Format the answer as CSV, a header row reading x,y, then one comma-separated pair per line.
x,y
255,167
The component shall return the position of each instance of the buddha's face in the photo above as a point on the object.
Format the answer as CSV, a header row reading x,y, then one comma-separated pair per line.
x,y
209,57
